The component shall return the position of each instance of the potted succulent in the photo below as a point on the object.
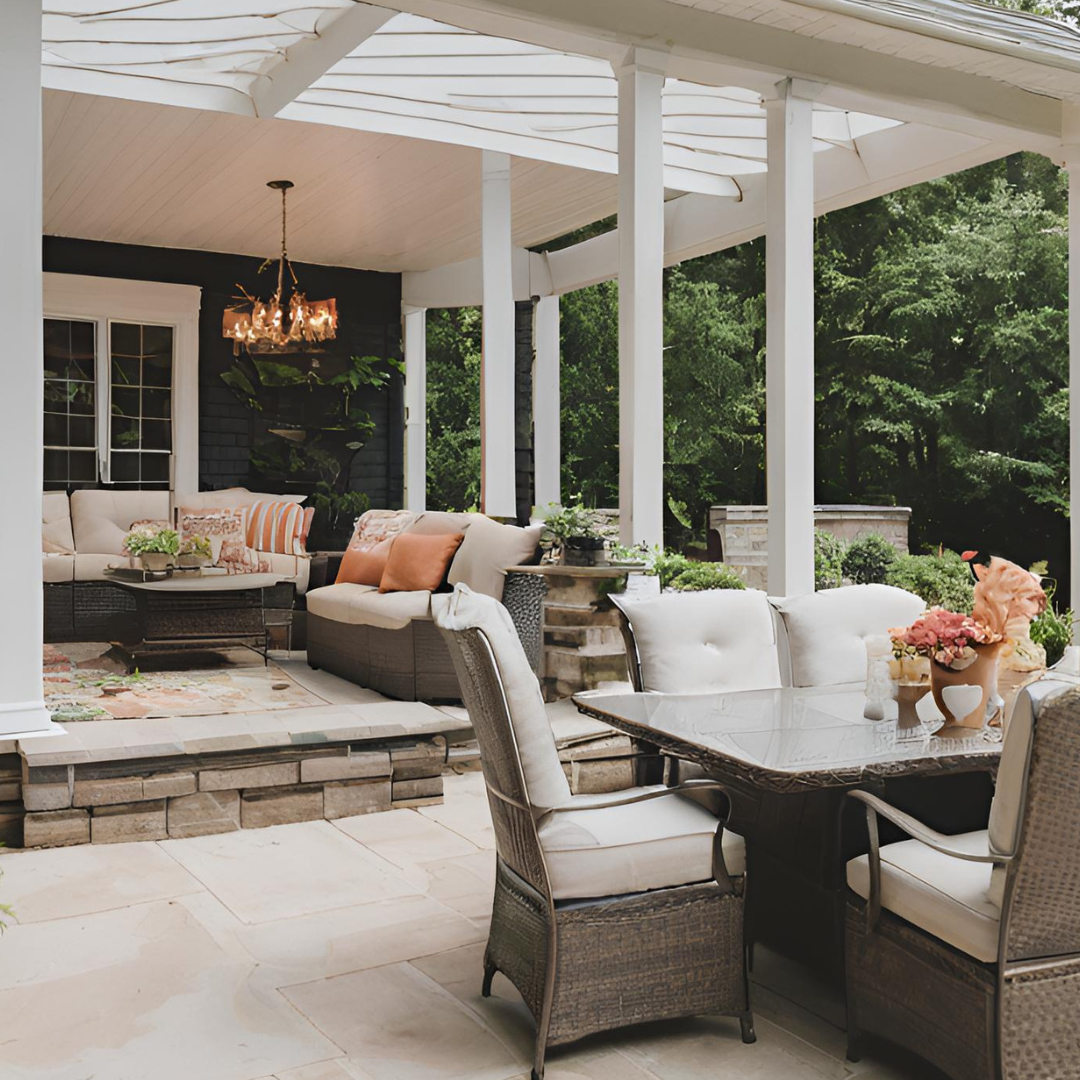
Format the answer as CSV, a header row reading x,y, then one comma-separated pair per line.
x,y
154,547
196,551
571,530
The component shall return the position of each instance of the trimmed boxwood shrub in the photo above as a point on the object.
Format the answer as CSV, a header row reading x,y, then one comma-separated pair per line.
x,y
868,559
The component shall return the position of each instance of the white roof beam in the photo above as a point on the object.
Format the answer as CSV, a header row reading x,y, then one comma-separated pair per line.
x,y
310,59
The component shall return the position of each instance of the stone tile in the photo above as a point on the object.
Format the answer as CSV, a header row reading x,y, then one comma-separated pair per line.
x,y
424,788
203,814
399,1025
321,1070
465,883
414,762
329,687
56,828
47,796
128,822
254,776
355,938
355,766
347,798
44,885
122,789
288,871
406,838
142,992
602,1063
468,816
170,785
280,806
10,790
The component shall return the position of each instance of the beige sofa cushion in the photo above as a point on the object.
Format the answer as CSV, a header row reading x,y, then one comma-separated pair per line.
x,y
705,642
101,518
91,567
947,897
57,569
364,605
434,522
295,567
827,630
464,609
609,851
226,498
487,550
56,523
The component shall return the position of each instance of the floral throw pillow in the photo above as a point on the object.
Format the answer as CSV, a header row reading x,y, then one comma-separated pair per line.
x,y
227,532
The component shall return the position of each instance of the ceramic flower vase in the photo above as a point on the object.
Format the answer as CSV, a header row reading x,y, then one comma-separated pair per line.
x,y
155,561
962,696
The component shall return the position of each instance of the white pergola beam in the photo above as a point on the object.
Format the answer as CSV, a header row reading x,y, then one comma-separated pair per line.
x,y
547,404
22,705
310,59
498,497
789,350
641,300
414,331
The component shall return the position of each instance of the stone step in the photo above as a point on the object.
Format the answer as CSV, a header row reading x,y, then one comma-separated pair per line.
x,y
608,638
583,669
580,615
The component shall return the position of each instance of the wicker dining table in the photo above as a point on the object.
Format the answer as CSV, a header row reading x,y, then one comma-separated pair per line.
x,y
788,757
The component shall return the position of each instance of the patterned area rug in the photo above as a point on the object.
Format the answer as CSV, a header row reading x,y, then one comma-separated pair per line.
x,y
87,681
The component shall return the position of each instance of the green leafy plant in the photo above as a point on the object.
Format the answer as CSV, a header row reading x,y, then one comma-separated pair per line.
x,y
149,540
621,555
868,559
942,580
667,566
701,576
828,560
1053,629
562,523
197,545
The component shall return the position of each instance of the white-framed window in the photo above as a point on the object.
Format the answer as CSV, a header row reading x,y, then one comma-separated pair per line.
x,y
121,383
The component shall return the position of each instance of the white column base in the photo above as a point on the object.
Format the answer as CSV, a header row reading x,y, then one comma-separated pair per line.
x,y
26,720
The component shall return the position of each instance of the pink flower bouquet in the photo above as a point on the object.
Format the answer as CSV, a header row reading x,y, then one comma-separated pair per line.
x,y
946,637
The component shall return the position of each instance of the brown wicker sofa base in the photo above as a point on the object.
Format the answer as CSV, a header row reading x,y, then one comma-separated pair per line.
x,y
914,990
619,961
411,664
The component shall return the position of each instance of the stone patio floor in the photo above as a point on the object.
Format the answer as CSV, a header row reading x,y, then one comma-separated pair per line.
x,y
328,951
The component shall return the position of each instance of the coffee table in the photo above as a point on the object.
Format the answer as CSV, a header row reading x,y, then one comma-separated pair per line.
x,y
188,613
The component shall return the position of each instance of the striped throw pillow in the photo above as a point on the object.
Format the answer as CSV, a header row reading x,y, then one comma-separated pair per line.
x,y
277,527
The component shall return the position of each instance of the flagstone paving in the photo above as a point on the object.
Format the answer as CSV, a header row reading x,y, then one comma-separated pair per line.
x,y
345,950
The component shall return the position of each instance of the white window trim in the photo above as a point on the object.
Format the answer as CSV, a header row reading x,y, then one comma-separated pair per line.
x,y
101,300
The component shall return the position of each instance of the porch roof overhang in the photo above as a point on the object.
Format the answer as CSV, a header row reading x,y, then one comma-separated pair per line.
x,y
379,114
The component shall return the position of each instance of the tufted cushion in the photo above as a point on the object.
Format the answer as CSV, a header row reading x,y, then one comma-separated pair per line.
x,y
704,642
487,550
827,630
57,568
364,605
947,897
613,850
56,535
101,518
463,610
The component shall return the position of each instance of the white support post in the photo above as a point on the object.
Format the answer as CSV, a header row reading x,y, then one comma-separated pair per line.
x,y
1074,383
22,705
641,299
497,458
547,404
414,327
789,363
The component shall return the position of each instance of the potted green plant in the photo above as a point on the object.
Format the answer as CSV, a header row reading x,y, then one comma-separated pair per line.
x,y
571,530
196,551
154,547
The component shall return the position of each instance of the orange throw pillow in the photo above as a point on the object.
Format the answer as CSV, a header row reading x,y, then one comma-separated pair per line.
x,y
364,566
418,561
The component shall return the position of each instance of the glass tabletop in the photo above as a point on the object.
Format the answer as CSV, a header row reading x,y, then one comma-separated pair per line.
x,y
811,735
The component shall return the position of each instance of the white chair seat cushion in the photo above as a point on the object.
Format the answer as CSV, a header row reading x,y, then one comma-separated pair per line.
x,y
57,569
827,630
706,642
947,897
364,605
611,851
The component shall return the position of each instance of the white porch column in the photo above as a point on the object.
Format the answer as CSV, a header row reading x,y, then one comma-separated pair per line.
x,y
497,464
641,300
22,706
1074,382
789,363
414,327
547,404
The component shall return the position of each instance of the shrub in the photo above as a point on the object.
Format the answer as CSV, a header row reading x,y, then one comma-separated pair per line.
x,y
1053,629
668,566
698,577
867,559
942,580
828,561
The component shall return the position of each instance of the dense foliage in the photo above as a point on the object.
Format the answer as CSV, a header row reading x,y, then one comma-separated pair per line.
x,y
700,576
942,579
868,560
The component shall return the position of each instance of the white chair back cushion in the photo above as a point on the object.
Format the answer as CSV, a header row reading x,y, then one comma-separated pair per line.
x,y
704,642
464,609
102,518
827,630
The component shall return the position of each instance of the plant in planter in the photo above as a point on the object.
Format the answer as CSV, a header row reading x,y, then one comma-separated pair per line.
x,y
196,551
571,530
156,548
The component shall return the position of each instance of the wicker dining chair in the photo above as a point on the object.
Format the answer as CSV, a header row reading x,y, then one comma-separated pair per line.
x,y
966,949
595,962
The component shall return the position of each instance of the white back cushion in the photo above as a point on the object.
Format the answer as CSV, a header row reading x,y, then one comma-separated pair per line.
x,y
487,550
228,498
56,520
705,642
827,630
464,609
101,518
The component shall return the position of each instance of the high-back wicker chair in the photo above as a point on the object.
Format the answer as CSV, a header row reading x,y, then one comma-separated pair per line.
x,y
989,989
596,962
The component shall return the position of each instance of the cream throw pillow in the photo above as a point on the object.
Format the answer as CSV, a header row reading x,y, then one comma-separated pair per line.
x,y
487,550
